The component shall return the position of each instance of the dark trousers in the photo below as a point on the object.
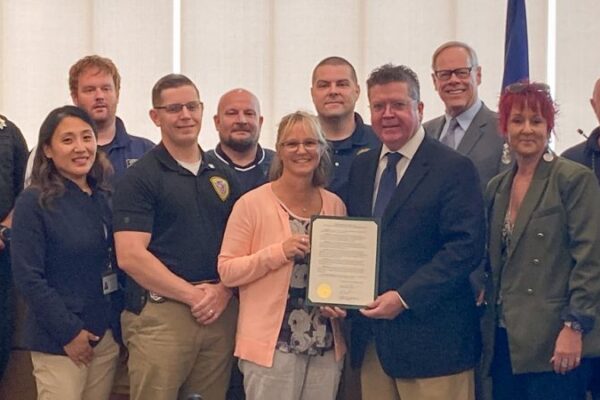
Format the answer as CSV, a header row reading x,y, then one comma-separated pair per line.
x,y
532,386
6,321
594,377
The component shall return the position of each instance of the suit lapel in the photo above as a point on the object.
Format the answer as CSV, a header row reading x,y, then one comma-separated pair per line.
x,y
367,182
530,202
416,171
474,133
436,127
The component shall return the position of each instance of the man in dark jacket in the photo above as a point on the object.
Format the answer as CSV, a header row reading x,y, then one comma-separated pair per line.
x,y
588,154
13,157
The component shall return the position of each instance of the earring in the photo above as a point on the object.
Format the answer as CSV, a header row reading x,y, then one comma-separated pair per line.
x,y
548,155
505,154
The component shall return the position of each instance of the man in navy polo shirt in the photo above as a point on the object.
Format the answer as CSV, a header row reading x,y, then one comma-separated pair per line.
x,y
95,83
238,121
170,212
334,92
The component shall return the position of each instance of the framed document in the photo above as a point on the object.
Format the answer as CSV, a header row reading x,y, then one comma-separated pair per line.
x,y
344,261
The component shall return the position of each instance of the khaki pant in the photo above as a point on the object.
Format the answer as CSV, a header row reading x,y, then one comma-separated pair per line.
x,y
376,384
59,378
172,356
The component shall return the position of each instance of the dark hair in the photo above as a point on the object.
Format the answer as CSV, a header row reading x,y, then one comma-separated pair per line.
x,y
533,95
311,124
389,73
335,60
101,63
44,174
170,81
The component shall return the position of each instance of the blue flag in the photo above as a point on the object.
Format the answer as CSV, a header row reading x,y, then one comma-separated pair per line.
x,y
516,49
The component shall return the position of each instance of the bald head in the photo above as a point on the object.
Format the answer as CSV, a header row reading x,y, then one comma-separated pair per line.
x,y
238,120
238,94
595,100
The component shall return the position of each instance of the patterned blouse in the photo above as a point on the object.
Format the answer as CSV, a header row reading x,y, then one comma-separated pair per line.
x,y
303,329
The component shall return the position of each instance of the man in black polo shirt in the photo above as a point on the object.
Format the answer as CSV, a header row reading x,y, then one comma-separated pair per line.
x,y
170,211
334,92
238,121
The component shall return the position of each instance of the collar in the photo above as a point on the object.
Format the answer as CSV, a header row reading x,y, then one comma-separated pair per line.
x,y
72,187
358,137
465,118
591,144
121,138
166,159
260,157
409,149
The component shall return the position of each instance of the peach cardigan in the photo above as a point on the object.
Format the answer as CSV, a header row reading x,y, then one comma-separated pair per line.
x,y
252,259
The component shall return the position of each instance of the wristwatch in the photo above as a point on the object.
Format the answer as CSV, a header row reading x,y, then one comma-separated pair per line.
x,y
576,326
4,233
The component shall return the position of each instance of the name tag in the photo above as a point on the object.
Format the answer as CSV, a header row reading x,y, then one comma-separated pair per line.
x,y
110,283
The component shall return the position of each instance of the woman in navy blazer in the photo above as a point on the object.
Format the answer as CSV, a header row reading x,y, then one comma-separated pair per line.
x,y
63,262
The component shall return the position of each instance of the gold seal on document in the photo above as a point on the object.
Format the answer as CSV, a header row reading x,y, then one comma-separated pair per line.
x,y
324,291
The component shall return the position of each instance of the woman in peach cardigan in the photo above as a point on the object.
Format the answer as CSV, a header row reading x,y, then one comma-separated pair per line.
x,y
287,349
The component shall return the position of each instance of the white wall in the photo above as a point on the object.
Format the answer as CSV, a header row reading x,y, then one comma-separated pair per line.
x,y
271,47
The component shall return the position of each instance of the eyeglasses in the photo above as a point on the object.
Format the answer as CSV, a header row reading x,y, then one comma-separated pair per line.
x,y
294,145
461,73
176,108
520,87
397,106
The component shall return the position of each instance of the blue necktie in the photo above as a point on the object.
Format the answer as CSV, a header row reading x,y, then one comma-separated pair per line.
x,y
387,184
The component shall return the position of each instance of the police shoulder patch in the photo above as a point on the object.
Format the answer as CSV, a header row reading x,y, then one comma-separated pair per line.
x,y
221,186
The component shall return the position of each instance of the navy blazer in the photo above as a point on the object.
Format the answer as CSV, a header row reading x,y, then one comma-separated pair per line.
x,y
432,237
59,254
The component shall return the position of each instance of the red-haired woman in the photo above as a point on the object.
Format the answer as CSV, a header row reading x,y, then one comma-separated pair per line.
x,y
544,257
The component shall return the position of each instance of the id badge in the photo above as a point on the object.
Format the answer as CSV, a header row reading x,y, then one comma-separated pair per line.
x,y
110,283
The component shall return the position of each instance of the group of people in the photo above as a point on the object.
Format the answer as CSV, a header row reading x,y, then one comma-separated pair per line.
x,y
146,268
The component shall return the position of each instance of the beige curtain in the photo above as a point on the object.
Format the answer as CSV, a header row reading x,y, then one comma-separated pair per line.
x,y
271,46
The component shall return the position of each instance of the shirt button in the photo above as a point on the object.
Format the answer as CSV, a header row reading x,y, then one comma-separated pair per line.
x,y
337,164
540,235
536,261
530,291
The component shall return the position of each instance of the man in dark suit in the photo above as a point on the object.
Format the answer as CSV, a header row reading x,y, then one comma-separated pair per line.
x,y
419,338
468,126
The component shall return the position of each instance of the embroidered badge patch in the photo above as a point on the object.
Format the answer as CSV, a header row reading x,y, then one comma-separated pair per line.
x,y
221,186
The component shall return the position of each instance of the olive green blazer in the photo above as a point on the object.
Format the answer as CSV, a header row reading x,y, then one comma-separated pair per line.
x,y
553,262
